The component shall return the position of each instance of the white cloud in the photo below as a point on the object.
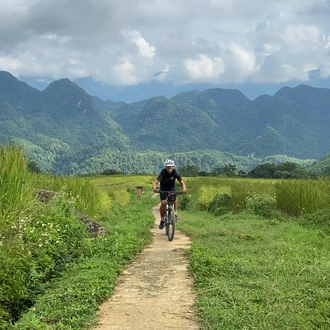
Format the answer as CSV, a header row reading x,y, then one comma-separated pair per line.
x,y
130,41
9,63
300,37
205,69
145,49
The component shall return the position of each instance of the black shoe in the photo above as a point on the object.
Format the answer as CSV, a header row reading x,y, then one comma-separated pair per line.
x,y
176,218
161,224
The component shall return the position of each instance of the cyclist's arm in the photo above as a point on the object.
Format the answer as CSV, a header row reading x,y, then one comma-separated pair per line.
x,y
183,186
154,186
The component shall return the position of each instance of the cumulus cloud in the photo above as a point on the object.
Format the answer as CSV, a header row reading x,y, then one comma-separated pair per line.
x,y
144,48
204,68
134,41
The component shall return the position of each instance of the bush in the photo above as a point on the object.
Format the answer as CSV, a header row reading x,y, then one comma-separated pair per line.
x,y
262,205
220,204
35,249
15,284
206,195
184,201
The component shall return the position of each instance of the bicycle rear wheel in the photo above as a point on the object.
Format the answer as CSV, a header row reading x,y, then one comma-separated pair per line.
x,y
170,228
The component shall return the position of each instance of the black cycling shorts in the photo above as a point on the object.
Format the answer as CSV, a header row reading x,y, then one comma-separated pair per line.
x,y
164,194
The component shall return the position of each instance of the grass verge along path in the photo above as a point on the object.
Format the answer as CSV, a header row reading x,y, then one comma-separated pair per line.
x,y
255,273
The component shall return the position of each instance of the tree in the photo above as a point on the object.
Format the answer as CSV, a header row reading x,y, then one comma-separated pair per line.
x,y
189,170
33,167
227,170
230,170
110,172
327,171
266,170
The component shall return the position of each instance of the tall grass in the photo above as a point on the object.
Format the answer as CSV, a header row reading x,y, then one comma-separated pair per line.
x,y
89,198
15,182
293,197
201,191
298,197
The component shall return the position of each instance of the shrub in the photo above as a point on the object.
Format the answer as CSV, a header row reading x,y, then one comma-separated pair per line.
x,y
35,249
220,204
184,201
260,204
206,195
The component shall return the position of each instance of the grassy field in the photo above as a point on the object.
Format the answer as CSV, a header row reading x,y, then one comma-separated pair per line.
x,y
253,272
260,252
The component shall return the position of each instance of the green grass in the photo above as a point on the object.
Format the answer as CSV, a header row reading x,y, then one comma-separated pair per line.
x,y
253,273
71,301
250,272
53,273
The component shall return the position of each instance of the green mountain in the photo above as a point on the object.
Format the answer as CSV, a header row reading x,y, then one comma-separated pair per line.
x,y
277,126
56,122
67,131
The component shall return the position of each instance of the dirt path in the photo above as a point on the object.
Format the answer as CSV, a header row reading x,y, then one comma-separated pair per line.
x,y
154,292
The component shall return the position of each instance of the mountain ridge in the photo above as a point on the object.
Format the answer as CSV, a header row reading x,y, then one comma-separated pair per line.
x,y
66,119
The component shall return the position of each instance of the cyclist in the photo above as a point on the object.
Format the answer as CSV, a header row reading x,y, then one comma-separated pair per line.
x,y
167,178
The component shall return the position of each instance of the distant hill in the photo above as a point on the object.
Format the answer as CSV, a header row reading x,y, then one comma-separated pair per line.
x,y
66,130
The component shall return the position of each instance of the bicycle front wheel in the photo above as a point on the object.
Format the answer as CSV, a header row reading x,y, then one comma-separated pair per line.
x,y
167,221
171,224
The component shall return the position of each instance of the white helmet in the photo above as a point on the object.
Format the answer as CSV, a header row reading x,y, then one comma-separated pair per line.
x,y
169,162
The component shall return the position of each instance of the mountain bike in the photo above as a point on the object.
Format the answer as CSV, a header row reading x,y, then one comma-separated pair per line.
x,y
170,219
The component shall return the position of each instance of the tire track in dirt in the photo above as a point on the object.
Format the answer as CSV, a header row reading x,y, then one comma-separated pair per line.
x,y
155,290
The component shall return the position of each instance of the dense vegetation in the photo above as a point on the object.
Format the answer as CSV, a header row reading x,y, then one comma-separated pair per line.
x,y
260,253
67,131
54,269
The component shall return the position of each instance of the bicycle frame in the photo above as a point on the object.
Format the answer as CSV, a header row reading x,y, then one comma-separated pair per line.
x,y
170,220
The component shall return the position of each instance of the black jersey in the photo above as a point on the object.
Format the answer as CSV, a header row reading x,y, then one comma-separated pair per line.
x,y
167,180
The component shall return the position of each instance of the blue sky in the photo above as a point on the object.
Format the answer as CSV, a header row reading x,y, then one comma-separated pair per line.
x,y
129,42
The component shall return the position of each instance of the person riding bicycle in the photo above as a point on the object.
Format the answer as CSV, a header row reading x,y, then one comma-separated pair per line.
x,y
167,178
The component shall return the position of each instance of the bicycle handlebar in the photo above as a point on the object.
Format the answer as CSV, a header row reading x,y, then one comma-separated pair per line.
x,y
171,192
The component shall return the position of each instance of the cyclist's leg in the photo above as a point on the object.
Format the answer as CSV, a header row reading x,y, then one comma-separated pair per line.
x,y
162,209
175,208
